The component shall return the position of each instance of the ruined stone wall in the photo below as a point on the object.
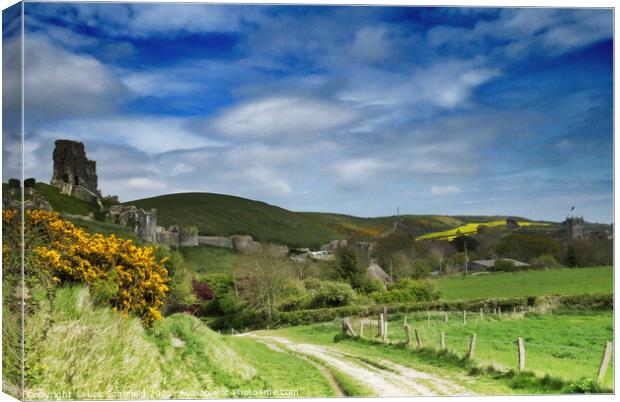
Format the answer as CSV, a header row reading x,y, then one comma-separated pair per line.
x,y
217,241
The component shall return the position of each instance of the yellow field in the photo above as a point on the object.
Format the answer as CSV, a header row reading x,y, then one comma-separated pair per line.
x,y
472,228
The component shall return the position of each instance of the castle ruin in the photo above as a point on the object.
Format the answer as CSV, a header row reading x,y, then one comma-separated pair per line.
x,y
74,174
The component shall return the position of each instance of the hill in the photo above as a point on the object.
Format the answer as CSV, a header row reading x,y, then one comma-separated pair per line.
x,y
225,215
218,214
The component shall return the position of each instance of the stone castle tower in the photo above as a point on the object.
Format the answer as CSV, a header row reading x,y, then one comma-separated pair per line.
x,y
574,227
74,174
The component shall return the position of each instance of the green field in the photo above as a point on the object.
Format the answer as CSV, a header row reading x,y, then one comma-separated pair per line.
x,y
567,346
574,281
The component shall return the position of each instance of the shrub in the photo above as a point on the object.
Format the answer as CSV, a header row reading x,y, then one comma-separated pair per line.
x,y
202,290
219,283
373,285
504,265
547,261
407,290
59,252
332,294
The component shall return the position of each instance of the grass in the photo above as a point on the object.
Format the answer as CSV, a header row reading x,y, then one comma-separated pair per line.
x,y
66,203
574,281
560,349
210,259
282,370
567,346
225,215
92,352
324,334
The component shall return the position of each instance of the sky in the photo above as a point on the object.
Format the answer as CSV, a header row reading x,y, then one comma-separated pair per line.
x,y
353,110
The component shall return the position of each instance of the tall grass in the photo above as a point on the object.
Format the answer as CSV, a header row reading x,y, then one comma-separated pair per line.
x,y
92,352
88,351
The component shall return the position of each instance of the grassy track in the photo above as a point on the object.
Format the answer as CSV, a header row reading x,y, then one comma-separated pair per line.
x,y
528,283
282,370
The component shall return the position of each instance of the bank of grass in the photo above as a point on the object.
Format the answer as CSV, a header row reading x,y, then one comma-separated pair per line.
x,y
574,281
89,351
283,371
206,259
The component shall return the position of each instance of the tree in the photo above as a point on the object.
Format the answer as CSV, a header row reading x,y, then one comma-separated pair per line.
x,y
528,246
348,267
463,242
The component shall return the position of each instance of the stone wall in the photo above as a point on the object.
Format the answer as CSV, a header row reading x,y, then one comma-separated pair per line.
x,y
217,241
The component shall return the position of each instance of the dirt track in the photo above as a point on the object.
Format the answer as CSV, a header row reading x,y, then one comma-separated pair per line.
x,y
383,377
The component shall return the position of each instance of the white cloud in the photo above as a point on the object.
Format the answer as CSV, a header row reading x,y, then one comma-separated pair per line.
x,y
283,116
445,190
371,43
145,133
356,172
144,183
62,83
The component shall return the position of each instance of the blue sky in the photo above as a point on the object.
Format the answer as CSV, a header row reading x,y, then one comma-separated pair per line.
x,y
343,109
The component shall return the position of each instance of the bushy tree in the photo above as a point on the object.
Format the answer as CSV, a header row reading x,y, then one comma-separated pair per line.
x,y
348,267
461,242
528,246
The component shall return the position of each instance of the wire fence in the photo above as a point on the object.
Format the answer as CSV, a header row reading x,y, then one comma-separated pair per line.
x,y
422,330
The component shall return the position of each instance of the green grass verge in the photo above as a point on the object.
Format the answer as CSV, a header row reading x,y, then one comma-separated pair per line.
x,y
575,281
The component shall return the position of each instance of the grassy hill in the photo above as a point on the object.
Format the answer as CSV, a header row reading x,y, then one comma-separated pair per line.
x,y
218,214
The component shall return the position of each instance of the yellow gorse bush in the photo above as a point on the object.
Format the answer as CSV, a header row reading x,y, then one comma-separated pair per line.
x,y
72,254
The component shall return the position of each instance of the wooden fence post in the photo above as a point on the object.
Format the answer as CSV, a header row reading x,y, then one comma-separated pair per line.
x,y
446,317
418,340
362,328
521,349
481,314
464,317
347,327
605,362
407,335
499,312
405,319
442,341
385,331
514,310
380,325
472,346
385,315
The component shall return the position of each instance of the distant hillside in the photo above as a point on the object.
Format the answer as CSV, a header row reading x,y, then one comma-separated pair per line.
x,y
218,214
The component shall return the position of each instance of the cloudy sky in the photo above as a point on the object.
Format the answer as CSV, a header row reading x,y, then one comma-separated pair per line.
x,y
343,109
